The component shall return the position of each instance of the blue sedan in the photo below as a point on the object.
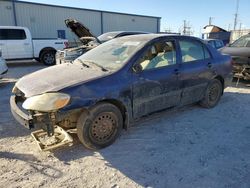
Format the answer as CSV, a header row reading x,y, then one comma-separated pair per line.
x,y
109,87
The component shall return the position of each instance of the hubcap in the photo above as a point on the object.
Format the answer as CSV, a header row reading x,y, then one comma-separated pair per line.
x,y
104,127
214,93
49,58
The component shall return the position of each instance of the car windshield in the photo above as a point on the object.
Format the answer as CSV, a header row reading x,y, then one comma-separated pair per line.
x,y
107,36
113,54
243,41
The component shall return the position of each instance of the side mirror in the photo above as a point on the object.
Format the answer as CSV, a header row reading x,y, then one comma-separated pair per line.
x,y
137,68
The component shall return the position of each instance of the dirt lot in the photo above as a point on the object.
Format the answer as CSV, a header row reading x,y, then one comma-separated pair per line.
x,y
191,147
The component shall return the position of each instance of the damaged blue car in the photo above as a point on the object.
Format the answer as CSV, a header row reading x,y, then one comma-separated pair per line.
x,y
106,89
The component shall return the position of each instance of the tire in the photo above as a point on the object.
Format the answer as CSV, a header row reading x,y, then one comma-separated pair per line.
x,y
212,95
101,127
48,57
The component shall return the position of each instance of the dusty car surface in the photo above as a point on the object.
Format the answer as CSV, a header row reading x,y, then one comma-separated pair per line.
x,y
3,66
88,40
118,82
240,52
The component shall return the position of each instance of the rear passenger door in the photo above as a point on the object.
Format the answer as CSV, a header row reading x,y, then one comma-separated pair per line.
x,y
15,44
196,70
3,44
19,44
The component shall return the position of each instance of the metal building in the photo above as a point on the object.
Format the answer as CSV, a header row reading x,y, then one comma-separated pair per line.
x,y
47,21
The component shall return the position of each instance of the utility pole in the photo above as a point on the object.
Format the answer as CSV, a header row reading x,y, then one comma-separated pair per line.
x,y
210,20
236,15
186,28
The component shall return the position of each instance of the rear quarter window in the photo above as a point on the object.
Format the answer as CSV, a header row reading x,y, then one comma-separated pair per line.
x,y
218,44
12,34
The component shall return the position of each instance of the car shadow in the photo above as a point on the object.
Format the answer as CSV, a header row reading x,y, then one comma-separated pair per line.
x,y
74,152
33,162
178,148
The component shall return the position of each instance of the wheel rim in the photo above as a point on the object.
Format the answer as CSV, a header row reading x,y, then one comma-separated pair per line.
x,y
214,93
104,127
49,58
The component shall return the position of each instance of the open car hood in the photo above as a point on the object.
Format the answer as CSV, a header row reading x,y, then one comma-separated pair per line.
x,y
236,51
81,31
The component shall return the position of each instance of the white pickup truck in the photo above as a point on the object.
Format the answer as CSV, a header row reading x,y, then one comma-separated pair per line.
x,y
16,43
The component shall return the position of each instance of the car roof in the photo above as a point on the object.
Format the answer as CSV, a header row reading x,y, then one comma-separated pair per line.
x,y
12,27
154,36
122,32
212,39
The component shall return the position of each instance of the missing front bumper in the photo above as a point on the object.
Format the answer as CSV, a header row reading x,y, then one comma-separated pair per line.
x,y
47,143
21,117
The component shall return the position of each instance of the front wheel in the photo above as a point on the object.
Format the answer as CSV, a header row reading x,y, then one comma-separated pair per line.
x,y
48,57
100,127
212,95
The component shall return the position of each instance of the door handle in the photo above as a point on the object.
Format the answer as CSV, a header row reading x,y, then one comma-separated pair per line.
x,y
26,44
176,71
1,44
209,65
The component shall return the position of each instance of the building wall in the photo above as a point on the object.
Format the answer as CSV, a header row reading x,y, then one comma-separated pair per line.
x,y
128,22
237,34
6,13
45,20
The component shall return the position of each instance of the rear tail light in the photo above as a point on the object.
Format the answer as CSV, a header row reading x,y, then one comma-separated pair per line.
x,y
66,44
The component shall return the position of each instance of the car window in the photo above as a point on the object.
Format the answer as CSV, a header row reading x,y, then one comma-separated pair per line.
x,y
218,44
12,34
211,42
112,54
193,51
107,36
241,42
160,54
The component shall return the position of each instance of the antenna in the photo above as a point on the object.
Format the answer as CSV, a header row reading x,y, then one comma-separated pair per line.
x,y
236,15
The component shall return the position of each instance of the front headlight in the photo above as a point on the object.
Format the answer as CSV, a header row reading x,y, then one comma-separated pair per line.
x,y
46,102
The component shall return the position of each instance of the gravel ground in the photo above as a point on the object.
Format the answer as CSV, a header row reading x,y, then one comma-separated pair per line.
x,y
190,147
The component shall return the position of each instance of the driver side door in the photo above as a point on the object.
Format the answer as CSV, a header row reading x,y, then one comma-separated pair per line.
x,y
157,85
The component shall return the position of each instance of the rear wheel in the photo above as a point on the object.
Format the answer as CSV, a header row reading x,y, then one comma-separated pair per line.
x,y
212,95
48,57
101,127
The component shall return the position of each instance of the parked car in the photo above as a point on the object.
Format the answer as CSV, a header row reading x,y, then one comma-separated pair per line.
x,y
240,52
216,43
88,40
3,66
119,81
16,43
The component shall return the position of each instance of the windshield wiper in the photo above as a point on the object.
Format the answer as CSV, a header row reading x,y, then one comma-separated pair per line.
x,y
97,65
83,64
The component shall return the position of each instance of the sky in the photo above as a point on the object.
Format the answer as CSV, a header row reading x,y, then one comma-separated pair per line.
x,y
173,12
